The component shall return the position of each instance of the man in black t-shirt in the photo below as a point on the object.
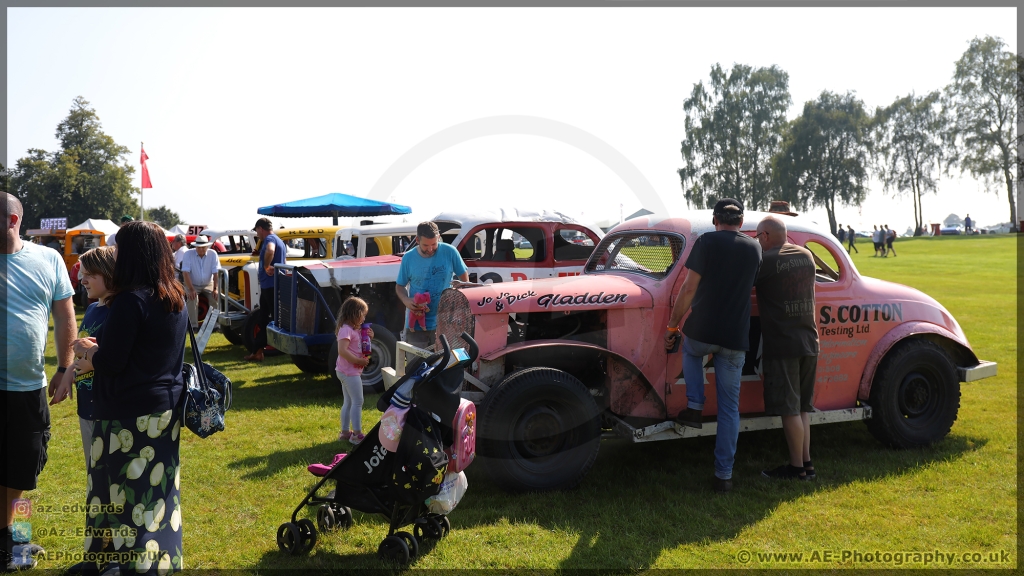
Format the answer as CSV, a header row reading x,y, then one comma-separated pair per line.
x,y
721,269
785,301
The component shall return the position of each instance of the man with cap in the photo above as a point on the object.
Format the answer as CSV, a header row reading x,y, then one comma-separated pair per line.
x,y
272,251
721,269
199,272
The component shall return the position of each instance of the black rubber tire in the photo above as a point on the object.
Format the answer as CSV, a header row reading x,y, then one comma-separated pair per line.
x,y
394,549
289,538
342,516
310,365
233,335
325,520
915,395
249,329
429,529
411,542
308,532
539,429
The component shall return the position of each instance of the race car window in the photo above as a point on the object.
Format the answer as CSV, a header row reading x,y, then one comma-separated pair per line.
x,y
652,254
314,248
501,244
826,267
572,244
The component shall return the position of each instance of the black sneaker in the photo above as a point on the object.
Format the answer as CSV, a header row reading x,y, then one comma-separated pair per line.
x,y
721,485
785,472
690,417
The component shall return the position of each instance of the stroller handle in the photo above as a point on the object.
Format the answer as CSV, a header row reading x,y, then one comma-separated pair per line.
x,y
474,350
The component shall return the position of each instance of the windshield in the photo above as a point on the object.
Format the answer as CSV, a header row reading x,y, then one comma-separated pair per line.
x,y
642,252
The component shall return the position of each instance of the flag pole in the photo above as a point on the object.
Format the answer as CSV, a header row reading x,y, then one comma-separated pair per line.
x,y
142,191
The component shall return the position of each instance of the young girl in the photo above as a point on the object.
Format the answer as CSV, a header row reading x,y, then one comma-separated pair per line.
x,y
97,266
350,367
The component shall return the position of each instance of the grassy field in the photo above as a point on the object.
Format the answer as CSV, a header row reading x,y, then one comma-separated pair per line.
x,y
644,506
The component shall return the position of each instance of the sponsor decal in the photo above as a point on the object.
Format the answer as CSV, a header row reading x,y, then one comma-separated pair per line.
x,y
505,299
856,319
586,299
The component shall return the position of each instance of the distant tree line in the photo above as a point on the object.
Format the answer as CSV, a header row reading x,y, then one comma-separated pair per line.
x,y
88,177
739,144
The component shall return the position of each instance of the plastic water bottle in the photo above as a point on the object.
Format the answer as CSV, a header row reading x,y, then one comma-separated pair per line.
x,y
364,340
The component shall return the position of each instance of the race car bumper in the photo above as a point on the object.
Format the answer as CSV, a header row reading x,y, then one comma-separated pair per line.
x,y
296,344
982,369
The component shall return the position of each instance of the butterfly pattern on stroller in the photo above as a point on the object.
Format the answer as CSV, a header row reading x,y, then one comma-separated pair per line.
x,y
396,485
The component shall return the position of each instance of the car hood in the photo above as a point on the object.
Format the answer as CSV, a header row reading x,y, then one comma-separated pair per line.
x,y
916,305
567,294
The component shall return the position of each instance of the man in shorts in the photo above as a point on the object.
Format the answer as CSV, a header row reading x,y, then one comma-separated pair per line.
x,y
890,235
35,282
785,299
427,269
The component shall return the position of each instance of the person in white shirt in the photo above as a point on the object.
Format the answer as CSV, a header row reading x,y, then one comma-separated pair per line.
x,y
199,270
179,246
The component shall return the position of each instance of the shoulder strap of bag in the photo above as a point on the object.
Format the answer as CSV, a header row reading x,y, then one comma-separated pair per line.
x,y
200,373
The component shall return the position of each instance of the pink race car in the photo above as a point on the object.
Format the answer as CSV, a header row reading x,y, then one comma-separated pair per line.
x,y
562,358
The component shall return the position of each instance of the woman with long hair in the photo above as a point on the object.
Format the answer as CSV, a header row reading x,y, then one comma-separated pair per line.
x,y
133,502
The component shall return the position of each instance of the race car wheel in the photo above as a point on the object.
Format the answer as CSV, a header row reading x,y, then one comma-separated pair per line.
x,y
394,549
233,335
539,429
249,330
311,365
915,395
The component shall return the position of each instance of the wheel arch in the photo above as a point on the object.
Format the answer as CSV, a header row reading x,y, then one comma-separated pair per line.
x,y
622,386
959,351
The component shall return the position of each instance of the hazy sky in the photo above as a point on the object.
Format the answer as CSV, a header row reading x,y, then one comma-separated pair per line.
x,y
241,108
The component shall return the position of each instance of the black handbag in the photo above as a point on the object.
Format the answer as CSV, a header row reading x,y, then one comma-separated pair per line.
x,y
207,394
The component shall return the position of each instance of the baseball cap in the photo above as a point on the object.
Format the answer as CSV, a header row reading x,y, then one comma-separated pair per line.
x,y
126,218
202,241
263,223
723,207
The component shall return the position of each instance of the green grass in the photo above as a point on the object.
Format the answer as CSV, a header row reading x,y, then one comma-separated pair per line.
x,y
642,506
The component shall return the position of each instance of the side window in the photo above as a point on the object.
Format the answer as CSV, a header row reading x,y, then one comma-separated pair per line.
x,y
314,248
527,243
826,267
572,244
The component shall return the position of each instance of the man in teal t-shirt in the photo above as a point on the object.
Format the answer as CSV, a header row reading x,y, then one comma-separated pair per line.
x,y
427,269
33,282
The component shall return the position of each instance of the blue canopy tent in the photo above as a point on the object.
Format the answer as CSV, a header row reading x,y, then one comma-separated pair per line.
x,y
334,204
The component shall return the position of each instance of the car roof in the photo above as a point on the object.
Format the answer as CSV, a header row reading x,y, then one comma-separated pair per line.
x,y
471,219
700,223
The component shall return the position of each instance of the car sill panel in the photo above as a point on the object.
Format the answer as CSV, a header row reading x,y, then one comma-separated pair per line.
x,y
983,369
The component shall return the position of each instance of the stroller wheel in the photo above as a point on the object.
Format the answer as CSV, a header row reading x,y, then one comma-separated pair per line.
x,y
394,549
428,529
446,526
342,516
289,539
308,533
411,542
325,519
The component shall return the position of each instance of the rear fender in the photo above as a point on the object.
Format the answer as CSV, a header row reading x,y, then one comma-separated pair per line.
x,y
957,349
628,391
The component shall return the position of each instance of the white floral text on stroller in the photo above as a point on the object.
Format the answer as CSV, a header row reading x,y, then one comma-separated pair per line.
x,y
398,483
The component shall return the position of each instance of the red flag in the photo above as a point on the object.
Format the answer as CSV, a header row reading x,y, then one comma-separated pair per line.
x,y
145,171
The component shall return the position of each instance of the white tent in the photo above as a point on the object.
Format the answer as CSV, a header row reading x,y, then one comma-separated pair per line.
x,y
103,225
178,229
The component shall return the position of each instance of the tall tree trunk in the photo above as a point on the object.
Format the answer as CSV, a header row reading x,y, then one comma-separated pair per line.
x,y
831,209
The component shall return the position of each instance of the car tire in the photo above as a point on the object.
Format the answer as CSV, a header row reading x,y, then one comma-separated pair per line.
x,y
249,330
539,429
233,335
383,346
311,365
915,396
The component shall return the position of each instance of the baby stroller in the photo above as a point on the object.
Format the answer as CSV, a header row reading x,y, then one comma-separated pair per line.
x,y
394,484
